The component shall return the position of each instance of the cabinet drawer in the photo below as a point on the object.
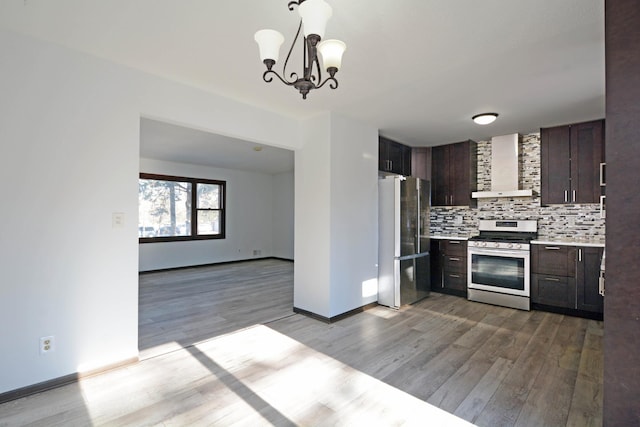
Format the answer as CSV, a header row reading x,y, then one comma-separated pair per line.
x,y
454,247
455,264
553,260
557,291
455,280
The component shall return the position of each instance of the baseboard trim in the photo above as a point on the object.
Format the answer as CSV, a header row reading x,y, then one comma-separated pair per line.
x,y
184,267
334,318
61,381
567,311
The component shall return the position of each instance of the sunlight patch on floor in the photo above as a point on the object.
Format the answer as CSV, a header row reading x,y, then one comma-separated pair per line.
x,y
253,376
297,381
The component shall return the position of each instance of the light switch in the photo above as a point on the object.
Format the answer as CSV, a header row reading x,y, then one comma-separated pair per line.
x,y
117,220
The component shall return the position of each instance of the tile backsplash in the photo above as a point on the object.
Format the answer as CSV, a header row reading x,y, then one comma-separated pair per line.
x,y
575,222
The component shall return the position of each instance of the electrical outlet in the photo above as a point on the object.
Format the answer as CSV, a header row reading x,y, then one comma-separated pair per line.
x,y
47,344
257,252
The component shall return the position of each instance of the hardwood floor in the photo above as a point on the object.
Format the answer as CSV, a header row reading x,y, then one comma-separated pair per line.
x,y
442,361
182,307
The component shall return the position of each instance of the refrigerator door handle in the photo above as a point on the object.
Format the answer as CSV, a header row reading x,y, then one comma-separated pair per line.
x,y
413,256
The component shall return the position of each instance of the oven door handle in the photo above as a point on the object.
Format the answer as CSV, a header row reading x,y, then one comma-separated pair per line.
x,y
499,252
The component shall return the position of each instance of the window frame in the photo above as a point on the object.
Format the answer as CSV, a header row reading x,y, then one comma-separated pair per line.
x,y
194,208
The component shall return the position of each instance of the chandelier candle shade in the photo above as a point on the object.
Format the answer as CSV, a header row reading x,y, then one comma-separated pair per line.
x,y
314,15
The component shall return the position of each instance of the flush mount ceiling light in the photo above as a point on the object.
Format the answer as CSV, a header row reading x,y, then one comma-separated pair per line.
x,y
485,118
314,15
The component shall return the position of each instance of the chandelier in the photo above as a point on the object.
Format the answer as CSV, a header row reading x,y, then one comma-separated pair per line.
x,y
314,15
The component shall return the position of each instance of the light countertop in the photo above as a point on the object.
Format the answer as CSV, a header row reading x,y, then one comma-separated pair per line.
x,y
443,237
546,241
569,243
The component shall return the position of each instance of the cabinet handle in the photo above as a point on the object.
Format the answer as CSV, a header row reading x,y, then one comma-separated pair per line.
x,y
454,259
456,276
574,195
454,242
552,279
579,255
602,210
602,183
566,196
552,248
391,164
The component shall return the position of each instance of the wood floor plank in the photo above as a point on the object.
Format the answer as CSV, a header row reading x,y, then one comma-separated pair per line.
x,y
475,402
507,402
221,346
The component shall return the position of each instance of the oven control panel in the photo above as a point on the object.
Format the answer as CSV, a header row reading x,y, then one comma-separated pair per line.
x,y
498,245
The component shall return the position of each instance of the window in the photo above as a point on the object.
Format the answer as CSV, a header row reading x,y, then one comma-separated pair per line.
x,y
177,208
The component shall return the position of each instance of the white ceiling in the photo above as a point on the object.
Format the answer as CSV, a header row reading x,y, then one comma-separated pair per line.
x,y
164,141
415,69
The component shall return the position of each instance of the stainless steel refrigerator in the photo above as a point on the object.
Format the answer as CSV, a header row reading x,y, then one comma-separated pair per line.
x,y
403,240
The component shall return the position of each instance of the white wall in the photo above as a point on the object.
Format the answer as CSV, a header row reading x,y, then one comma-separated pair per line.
x,y
337,213
69,144
69,140
354,215
283,215
311,272
250,203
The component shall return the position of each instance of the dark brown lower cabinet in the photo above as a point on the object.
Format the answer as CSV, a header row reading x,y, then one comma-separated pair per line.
x,y
449,266
557,291
587,275
566,277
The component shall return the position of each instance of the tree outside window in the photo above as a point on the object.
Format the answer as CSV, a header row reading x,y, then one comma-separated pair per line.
x,y
167,211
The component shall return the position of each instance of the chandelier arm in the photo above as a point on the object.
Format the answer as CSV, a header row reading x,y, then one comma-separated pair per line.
x,y
286,61
318,68
332,85
292,3
268,78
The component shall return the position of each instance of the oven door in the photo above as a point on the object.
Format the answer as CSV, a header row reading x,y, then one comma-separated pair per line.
x,y
499,270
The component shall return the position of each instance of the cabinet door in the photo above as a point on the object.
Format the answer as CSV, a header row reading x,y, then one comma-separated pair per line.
x,y
586,156
440,176
588,272
406,161
553,260
460,171
395,155
383,160
457,248
436,265
421,163
455,281
556,291
555,166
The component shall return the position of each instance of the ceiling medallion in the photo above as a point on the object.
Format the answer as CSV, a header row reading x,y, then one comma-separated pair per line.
x,y
314,15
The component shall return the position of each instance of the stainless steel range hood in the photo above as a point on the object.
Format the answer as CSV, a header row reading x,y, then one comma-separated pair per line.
x,y
504,169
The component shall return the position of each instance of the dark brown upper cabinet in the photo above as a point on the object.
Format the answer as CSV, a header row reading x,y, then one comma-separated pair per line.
x,y
454,174
571,158
394,157
421,162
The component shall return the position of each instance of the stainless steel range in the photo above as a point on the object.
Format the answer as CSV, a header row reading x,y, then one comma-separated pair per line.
x,y
499,263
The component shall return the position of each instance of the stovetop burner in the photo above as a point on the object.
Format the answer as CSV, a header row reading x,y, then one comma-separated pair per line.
x,y
504,237
505,233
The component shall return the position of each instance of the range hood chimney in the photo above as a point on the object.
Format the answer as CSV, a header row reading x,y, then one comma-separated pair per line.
x,y
504,169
